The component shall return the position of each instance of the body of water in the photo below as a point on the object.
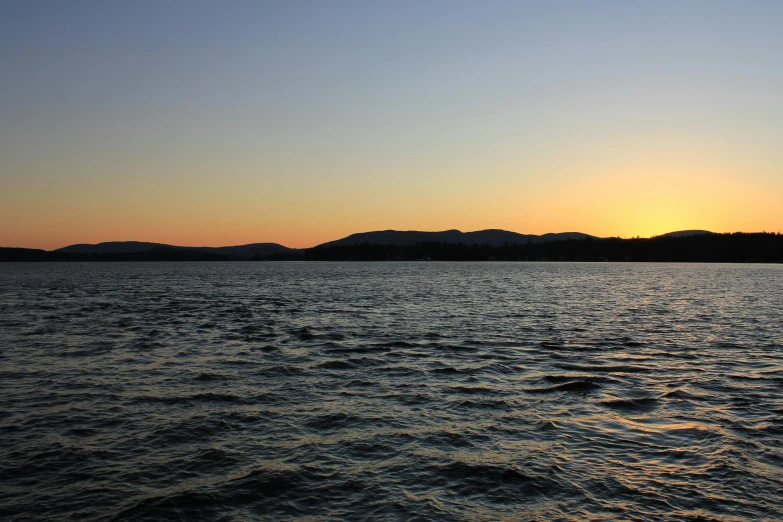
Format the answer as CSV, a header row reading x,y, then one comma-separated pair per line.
x,y
391,391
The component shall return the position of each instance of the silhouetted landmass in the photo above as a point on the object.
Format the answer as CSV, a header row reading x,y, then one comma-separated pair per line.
x,y
686,233
493,237
111,247
254,251
710,248
683,246
29,254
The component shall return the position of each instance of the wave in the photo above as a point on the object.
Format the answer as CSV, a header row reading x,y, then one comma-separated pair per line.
x,y
447,371
474,478
578,386
205,503
546,426
196,397
337,365
207,377
571,378
643,404
341,421
622,368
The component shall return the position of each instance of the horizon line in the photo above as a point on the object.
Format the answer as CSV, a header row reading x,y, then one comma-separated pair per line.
x,y
393,230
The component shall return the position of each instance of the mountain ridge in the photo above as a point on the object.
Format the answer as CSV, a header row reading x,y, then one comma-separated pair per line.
x,y
686,233
238,252
687,246
492,236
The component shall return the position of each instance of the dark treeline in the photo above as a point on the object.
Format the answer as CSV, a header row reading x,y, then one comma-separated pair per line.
x,y
707,248
158,254
710,248
28,254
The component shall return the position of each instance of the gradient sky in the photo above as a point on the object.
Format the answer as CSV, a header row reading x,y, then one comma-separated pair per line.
x,y
298,122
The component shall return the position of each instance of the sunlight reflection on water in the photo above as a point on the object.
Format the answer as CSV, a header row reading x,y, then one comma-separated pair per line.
x,y
391,390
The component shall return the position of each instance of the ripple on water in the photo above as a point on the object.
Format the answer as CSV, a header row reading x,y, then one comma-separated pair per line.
x,y
411,391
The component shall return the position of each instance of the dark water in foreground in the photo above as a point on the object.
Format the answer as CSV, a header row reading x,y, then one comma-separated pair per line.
x,y
391,391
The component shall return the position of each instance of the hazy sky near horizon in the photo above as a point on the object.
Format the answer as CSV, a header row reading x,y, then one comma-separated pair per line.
x,y
211,123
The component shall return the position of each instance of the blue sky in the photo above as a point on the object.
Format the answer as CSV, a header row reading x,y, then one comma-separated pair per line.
x,y
301,121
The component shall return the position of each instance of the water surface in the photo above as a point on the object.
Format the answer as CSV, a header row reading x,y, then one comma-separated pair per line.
x,y
391,391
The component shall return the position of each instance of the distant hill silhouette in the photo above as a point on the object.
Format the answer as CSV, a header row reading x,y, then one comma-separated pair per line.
x,y
686,233
492,237
253,251
111,247
694,248
30,254
448,245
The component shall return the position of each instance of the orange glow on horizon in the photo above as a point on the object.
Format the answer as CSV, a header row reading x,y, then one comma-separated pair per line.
x,y
629,196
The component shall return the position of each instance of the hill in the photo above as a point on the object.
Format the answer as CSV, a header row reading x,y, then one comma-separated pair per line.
x,y
111,247
447,245
30,254
702,248
253,251
686,233
492,237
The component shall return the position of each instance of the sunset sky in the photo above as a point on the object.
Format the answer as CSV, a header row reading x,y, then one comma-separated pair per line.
x,y
298,122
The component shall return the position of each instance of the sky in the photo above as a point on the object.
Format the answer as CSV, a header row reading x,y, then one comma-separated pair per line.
x,y
297,122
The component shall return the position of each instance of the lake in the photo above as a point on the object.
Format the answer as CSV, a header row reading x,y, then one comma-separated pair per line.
x,y
391,391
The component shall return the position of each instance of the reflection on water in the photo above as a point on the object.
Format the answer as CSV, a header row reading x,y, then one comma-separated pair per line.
x,y
427,391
